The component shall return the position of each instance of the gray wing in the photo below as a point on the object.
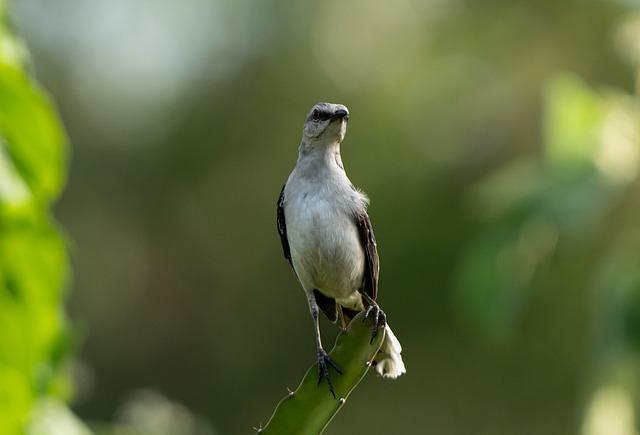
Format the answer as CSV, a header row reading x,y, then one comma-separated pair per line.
x,y
372,261
282,227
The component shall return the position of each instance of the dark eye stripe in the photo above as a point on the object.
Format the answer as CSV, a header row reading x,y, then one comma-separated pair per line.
x,y
322,116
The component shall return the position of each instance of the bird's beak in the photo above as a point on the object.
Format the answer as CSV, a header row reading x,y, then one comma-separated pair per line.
x,y
339,114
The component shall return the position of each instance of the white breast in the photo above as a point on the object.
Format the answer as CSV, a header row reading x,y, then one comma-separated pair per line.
x,y
324,240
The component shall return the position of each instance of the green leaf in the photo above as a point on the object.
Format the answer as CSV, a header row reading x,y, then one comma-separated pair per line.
x,y
33,257
573,114
32,133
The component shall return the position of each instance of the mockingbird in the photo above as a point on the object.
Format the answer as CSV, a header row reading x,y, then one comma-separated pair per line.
x,y
327,237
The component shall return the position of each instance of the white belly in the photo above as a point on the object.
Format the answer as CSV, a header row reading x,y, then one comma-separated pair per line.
x,y
325,249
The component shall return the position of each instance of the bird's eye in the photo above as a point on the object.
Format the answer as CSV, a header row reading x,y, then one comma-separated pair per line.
x,y
315,114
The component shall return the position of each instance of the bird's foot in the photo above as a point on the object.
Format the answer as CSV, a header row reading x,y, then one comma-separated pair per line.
x,y
324,362
379,317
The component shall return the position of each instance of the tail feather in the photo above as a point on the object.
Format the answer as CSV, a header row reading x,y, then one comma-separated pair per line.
x,y
389,362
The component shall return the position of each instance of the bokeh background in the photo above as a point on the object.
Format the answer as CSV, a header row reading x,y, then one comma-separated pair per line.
x,y
499,142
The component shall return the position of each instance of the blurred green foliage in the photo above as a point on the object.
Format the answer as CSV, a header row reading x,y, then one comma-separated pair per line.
x,y
577,202
533,204
33,259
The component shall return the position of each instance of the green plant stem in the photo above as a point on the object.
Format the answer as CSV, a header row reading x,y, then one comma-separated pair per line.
x,y
309,409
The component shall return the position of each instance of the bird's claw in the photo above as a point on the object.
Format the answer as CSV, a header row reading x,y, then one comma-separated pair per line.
x,y
324,362
379,317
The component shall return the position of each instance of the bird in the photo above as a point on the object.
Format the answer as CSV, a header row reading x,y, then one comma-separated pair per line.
x,y
328,240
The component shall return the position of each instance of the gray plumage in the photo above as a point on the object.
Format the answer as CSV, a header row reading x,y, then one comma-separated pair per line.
x,y
326,233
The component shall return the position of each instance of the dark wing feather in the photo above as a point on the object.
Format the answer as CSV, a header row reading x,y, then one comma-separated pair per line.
x,y
282,227
371,259
327,305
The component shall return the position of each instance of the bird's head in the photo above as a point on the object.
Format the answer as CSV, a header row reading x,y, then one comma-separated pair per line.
x,y
326,122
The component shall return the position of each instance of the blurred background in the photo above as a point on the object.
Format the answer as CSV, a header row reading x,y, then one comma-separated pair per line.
x,y
499,142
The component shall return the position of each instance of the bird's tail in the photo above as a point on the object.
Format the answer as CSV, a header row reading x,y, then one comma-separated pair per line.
x,y
388,361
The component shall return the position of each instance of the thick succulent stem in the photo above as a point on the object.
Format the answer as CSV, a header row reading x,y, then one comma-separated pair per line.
x,y
309,409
